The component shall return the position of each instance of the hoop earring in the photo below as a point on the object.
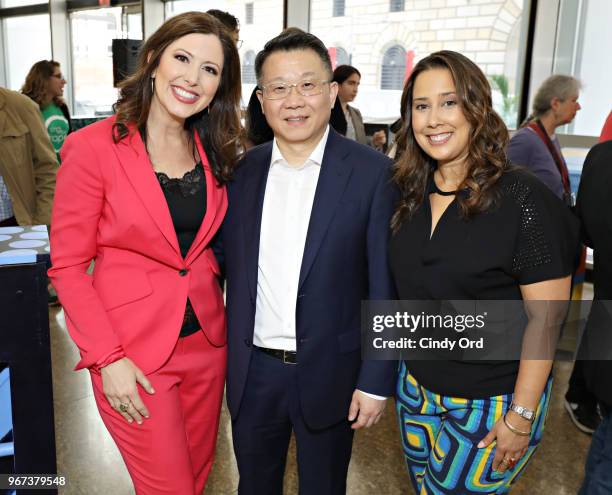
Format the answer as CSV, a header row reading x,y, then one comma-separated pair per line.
x,y
152,85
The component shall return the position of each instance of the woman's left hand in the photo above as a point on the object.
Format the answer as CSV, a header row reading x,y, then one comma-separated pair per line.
x,y
510,447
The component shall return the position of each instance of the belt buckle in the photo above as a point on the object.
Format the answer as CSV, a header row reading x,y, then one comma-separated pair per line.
x,y
286,356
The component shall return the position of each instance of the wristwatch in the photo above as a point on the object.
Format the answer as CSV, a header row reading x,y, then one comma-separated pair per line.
x,y
523,412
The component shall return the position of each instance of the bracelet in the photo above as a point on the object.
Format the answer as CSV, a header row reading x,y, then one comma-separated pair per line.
x,y
516,430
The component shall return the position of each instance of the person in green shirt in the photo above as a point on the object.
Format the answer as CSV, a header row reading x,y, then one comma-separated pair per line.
x,y
45,85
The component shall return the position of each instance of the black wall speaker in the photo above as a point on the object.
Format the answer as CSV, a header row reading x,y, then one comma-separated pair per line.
x,y
125,56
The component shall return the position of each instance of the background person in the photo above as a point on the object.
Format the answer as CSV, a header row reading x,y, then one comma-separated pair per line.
x,y
593,203
230,22
348,79
45,85
27,163
142,194
535,145
257,129
471,427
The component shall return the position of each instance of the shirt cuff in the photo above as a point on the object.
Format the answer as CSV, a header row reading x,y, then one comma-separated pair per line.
x,y
115,355
372,396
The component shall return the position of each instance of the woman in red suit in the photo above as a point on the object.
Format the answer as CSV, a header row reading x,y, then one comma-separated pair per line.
x,y
142,193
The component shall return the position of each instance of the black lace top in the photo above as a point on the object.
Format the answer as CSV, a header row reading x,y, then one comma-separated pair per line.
x,y
529,237
186,199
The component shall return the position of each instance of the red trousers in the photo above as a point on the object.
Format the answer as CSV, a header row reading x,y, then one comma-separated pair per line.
x,y
172,451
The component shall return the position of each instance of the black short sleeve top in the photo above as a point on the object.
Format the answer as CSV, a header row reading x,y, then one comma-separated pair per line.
x,y
529,236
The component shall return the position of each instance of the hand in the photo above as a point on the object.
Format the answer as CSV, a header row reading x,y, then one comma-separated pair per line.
x,y
367,410
510,446
379,139
119,381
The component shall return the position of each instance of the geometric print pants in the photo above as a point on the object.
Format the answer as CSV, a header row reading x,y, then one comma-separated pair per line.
x,y
440,435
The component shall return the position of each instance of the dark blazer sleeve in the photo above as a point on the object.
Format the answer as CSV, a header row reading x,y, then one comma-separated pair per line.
x,y
379,377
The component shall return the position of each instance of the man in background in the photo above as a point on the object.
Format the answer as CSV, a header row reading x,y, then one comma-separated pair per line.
x,y
230,22
27,163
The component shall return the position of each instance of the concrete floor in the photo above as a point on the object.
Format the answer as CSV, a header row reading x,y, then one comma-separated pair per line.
x,y
88,457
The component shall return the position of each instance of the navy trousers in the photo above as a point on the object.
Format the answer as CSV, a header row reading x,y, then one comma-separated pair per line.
x,y
269,411
598,469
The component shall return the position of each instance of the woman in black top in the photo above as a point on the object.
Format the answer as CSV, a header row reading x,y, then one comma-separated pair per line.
x,y
469,227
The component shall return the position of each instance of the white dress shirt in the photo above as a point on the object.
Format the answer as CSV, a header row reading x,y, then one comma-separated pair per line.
x,y
287,206
286,212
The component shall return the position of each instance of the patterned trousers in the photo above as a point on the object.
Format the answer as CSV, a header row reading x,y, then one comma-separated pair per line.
x,y
440,435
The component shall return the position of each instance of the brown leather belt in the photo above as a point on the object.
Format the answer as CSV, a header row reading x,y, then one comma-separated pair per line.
x,y
287,357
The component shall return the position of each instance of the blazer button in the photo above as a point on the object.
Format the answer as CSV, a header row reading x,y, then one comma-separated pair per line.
x,y
247,342
183,272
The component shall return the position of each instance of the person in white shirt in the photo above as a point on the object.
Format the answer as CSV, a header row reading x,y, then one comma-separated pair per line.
x,y
303,243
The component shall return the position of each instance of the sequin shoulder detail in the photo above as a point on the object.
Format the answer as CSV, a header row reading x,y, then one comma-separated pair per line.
x,y
533,248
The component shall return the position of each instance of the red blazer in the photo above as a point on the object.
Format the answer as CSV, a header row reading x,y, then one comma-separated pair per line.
x,y
109,207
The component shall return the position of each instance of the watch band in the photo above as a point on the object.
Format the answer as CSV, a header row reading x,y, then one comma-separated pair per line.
x,y
523,412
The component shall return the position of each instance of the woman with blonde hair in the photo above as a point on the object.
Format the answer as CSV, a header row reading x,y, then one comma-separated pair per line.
x,y
143,193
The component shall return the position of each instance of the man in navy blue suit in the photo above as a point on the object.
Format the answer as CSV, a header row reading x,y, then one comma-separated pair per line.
x,y
304,242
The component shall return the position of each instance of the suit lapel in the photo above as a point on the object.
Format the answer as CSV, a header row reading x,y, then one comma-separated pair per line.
x,y
215,205
139,170
333,178
252,208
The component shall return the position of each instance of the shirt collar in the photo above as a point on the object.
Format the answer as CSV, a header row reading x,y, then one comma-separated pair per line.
x,y
316,157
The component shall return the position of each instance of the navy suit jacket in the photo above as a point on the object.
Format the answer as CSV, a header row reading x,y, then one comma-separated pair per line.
x,y
344,262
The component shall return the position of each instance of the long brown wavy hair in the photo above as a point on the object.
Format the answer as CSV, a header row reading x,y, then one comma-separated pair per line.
x,y
486,160
36,84
218,125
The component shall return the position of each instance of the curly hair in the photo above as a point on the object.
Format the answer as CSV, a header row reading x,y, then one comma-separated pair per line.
x,y
486,160
218,125
36,84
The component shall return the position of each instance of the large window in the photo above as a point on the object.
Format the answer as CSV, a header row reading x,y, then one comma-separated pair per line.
x,y
385,46
22,53
19,3
584,42
92,35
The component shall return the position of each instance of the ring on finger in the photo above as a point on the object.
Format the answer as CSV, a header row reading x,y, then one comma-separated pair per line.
x,y
123,407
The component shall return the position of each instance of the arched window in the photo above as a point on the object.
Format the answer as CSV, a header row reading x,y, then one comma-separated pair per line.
x,y
393,68
342,57
248,68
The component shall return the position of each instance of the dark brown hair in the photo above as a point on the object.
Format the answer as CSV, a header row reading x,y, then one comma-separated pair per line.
x,y
218,125
36,84
486,160
343,72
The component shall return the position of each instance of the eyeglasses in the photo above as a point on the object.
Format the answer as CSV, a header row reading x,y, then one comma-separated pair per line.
x,y
279,90
57,76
